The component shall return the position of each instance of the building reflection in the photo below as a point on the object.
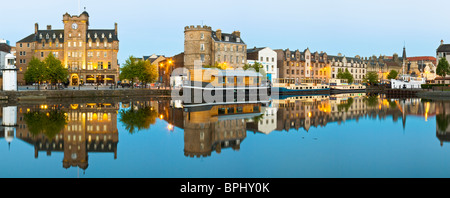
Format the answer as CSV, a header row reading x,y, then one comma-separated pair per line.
x,y
78,129
84,128
210,128
443,121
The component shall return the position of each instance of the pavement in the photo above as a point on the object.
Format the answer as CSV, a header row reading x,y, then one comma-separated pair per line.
x,y
85,87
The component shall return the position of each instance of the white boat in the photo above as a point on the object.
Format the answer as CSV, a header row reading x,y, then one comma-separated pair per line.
x,y
407,82
341,86
283,86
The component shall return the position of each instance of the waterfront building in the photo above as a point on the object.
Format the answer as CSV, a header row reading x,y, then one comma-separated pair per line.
x,y
298,65
267,58
90,55
209,47
355,65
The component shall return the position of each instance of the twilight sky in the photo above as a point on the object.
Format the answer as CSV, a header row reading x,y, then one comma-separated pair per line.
x,y
350,27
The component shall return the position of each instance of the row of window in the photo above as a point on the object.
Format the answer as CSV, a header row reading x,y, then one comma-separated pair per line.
x,y
230,59
301,72
267,59
90,66
223,47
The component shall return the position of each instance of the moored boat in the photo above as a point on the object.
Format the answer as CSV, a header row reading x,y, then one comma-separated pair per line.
x,y
341,86
305,87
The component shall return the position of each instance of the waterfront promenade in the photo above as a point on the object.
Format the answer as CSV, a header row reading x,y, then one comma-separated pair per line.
x,y
31,93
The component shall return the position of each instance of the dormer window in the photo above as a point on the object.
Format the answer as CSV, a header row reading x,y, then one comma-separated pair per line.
x,y
103,35
40,36
60,35
54,35
95,35
227,38
238,40
46,36
110,35
89,35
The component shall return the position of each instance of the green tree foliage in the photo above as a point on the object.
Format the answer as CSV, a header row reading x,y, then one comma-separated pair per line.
x,y
371,78
147,72
392,74
55,70
134,70
258,67
50,124
345,106
129,70
345,75
51,70
36,72
443,67
140,119
216,65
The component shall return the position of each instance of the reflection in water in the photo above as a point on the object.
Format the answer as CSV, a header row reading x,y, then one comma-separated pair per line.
x,y
81,128
139,116
74,129
443,121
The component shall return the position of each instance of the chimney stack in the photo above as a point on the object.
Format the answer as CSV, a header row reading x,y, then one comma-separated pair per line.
x,y
237,33
442,42
219,34
115,28
36,28
49,27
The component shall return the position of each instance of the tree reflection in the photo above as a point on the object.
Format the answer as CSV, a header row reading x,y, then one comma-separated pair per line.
x,y
345,106
50,123
141,118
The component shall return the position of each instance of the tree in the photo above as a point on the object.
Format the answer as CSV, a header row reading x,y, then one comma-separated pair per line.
x,y
36,72
216,65
55,70
147,73
392,74
129,70
443,67
371,77
258,67
139,119
345,75
50,124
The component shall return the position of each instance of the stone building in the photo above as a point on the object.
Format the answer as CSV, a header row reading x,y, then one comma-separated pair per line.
x,y
90,55
355,65
299,65
203,44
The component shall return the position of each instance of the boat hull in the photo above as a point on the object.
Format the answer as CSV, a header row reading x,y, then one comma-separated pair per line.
x,y
285,91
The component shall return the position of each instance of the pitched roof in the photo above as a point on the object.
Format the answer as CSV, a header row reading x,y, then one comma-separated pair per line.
x,y
443,48
27,39
231,38
255,49
41,35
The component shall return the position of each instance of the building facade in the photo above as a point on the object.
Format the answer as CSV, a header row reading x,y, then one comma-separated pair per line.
x,y
299,65
267,58
355,65
90,55
210,47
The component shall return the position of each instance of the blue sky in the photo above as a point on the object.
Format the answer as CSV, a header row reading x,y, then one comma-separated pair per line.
x,y
349,27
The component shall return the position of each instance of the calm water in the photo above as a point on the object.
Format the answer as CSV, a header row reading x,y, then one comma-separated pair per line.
x,y
319,136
